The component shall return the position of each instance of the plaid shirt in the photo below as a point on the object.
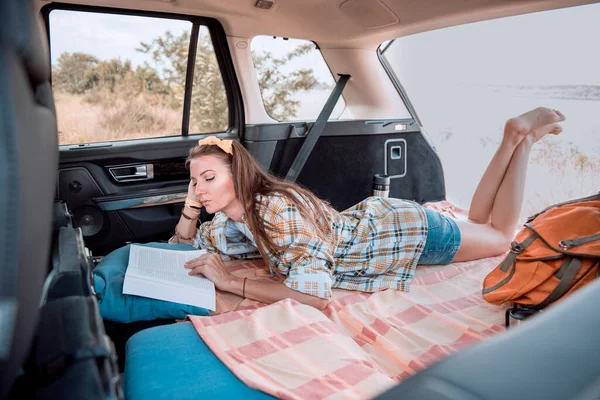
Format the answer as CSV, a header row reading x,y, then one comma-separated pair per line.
x,y
377,244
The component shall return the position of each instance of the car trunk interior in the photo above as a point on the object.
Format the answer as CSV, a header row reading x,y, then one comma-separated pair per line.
x,y
132,189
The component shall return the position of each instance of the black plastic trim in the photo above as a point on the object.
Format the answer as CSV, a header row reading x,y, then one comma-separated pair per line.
x,y
141,194
399,88
219,42
386,46
189,80
281,131
237,119
143,149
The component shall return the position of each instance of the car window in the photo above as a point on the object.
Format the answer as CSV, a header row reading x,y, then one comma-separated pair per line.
x,y
466,81
294,79
118,77
209,110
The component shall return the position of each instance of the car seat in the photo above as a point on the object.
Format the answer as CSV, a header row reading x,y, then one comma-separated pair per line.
x,y
28,169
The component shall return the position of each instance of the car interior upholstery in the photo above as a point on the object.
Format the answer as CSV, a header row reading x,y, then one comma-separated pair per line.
x,y
42,182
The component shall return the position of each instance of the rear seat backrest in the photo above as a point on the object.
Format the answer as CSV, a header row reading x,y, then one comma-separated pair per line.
x,y
28,168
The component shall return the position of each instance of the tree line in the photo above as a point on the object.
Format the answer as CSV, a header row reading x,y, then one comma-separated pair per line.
x,y
163,81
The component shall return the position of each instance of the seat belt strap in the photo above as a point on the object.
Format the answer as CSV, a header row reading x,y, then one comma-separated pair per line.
x,y
317,129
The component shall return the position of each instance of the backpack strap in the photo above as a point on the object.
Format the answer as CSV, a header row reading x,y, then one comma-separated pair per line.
x,y
566,274
516,249
567,244
509,261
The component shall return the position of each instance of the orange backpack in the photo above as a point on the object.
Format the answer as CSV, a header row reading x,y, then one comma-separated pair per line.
x,y
556,253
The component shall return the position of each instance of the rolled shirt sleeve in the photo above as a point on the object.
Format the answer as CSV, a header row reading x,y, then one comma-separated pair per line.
x,y
310,279
219,236
306,261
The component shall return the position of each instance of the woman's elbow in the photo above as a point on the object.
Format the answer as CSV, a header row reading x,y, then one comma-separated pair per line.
x,y
321,304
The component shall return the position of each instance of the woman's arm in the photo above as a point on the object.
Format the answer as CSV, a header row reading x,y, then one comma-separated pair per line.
x,y
213,268
187,226
271,292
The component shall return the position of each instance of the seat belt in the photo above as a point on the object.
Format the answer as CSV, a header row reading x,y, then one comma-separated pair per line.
x,y
317,129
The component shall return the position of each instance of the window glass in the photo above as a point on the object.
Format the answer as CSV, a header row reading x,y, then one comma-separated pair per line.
x,y
295,82
118,77
209,111
466,81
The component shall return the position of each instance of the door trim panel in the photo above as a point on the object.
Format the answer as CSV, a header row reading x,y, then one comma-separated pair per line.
x,y
287,130
148,198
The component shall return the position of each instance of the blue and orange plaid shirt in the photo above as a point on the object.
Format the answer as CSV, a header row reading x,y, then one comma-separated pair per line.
x,y
376,245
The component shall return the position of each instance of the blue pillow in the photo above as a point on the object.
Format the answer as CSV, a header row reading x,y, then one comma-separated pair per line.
x,y
119,307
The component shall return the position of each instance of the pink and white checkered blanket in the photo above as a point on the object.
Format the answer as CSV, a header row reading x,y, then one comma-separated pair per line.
x,y
362,344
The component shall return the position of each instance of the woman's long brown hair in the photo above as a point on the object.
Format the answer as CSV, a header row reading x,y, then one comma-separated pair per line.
x,y
250,180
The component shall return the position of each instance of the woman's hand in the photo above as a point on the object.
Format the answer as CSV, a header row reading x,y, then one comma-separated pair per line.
x,y
213,268
191,194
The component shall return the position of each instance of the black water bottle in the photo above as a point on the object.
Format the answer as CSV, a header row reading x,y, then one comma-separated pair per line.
x,y
381,186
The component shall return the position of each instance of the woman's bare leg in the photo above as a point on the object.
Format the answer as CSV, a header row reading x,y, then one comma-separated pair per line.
x,y
493,221
515,130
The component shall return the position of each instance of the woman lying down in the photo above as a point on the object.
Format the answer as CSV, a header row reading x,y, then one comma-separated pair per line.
x,y
375,245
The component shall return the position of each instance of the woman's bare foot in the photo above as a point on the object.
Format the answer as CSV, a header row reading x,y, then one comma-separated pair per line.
x,y
535,123
553,129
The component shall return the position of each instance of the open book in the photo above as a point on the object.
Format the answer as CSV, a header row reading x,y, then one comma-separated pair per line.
x,y
159,274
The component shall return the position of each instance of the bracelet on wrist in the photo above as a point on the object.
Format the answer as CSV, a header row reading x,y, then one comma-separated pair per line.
x,y
194,211
184,215
193,203
180,237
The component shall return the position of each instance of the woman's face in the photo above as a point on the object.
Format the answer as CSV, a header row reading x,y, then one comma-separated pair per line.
x,y
213,183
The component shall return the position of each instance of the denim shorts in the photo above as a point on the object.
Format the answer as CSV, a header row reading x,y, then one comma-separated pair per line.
x,y
443,239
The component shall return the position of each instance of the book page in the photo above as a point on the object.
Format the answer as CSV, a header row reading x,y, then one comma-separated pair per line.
x,y
172,293
160,274
166,266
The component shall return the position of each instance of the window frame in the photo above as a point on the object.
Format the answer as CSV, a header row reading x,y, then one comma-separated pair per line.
x,y
333,76
576,164
395,81
235,125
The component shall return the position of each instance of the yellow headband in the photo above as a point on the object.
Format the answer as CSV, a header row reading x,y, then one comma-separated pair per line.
x,y
225,145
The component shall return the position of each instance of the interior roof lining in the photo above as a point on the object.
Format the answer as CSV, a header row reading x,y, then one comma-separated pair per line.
x,y
328,26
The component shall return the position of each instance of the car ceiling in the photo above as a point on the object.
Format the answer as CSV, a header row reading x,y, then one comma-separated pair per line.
x,y
361,24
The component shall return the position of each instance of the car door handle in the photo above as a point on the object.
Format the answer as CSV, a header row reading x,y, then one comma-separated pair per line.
x,y
135,172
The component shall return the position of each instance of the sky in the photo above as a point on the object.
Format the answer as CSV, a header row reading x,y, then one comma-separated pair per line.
x,y
551,47
108,36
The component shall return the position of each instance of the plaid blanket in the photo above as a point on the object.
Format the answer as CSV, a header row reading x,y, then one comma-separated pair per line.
x,y
362,344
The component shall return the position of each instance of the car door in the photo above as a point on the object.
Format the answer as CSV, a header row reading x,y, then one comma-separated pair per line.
x,y
343,162
351,149
134,92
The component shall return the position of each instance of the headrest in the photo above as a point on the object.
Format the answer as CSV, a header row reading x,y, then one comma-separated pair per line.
x,y
23,30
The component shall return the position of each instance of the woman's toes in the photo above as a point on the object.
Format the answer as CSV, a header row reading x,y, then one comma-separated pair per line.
x,y
556,129
537,122
539,133
560,115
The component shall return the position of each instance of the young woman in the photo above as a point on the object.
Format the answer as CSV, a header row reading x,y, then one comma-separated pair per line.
x,y
372,246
